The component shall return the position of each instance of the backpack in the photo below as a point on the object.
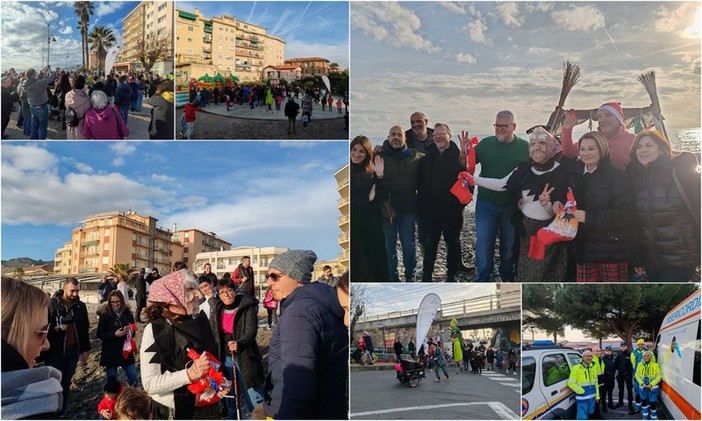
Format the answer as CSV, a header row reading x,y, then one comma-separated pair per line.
x,y
71,117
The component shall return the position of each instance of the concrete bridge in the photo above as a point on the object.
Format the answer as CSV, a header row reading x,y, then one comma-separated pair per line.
x,y
480,312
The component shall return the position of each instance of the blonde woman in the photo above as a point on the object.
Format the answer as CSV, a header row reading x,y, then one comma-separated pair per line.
x,y
25,315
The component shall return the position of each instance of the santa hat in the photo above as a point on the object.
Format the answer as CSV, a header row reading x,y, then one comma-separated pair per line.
x,y
615,108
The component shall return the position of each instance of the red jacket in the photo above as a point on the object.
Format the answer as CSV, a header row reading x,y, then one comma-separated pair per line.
x,y
190,113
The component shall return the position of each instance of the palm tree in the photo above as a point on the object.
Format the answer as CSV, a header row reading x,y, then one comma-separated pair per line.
x,y
334,67
123,272
101,40
83,9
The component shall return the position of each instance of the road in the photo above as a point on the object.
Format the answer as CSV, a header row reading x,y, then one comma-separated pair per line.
x,y
378,395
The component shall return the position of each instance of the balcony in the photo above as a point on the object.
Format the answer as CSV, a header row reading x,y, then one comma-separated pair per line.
x,y
341,202
342,220
90,243
342,183
343,238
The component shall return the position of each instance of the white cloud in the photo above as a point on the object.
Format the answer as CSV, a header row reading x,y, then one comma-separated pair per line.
x,y
162,178
82,167
579,18
465,58
509,13
121,149
392,23
67,30
476,32
106,7
454,7
334,53
540,6
538,50
35,192
118,162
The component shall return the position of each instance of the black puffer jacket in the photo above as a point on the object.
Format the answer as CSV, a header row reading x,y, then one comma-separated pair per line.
x,y
245,329
669,235
108,324
606,197
57,337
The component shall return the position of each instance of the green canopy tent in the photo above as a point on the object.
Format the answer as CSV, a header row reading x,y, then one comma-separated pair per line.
x,y
207,78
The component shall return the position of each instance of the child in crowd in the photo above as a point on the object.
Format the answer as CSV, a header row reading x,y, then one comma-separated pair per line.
x,y
229,102
133,404
106,407
190,118
330,101
338,105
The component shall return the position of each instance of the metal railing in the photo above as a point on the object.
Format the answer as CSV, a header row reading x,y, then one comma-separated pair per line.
x,y
457,308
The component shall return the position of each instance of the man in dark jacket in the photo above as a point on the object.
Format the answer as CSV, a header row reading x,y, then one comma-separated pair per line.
x,y
243,277
397,346
153,275
369,346
162,120
140,284
610,371
624,375
440,211
123,97
68,334
291,112
308,358
105,287
9,96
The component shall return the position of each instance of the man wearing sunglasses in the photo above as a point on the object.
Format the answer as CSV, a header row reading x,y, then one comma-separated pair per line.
x,y
308,358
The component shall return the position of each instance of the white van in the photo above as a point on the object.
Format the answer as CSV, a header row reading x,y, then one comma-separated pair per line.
x,y
545,391
678,354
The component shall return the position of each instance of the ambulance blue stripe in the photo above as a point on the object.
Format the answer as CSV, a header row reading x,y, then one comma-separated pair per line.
x,y
549,406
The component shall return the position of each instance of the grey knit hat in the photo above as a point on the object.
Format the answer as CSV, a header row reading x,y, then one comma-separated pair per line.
x,y
297,264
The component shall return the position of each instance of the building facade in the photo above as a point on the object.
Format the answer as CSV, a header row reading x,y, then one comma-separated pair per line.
x,y
288,73
226,45
342,186
117,237
148,23
227,261
196,241
311,66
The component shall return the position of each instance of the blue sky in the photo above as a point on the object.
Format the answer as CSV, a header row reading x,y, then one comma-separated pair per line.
x,y
24,31
309,28
462,62
249,193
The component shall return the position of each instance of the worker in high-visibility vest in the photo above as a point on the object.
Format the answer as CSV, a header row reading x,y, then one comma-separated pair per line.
x,y
636,358
648,376
583,381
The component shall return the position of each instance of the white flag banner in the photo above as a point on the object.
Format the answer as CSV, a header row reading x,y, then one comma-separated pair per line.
x,y
110,59
325,79
425,316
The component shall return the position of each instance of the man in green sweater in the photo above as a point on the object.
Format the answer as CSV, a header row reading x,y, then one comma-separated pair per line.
x,y
498,156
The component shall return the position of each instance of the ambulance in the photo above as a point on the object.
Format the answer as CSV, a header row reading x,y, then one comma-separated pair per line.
x,y
545,391
678,354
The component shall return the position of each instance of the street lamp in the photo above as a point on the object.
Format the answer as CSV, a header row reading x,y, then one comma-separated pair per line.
x,y
67,56
50,39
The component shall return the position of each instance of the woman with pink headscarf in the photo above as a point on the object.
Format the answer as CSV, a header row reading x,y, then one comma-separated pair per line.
x,y
175,326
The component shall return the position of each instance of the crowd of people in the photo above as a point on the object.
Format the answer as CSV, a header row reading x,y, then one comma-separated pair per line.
x,y
87,105
628,190
198,352
593,381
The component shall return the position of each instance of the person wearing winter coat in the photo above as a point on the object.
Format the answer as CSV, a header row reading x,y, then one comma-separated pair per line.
x,y
103,122
79,102
271,306
38,99
309,349
9,96
113,329
666,207
123,97
162,119
237,326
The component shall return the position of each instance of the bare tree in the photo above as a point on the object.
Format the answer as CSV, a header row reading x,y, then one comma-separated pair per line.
x,y
359,296
148,53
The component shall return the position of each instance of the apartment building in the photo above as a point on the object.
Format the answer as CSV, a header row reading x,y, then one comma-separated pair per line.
x,y
196,241
288,73
117,237
227,261
224,45
342,186
311,66
147,23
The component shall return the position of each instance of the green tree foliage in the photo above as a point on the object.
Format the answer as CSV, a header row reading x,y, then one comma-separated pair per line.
x,y
83,10
538,311
618,309
339,81
123,272
101,39
18,273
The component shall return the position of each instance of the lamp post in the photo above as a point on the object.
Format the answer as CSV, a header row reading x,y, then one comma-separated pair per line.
x,y
67,56
49,39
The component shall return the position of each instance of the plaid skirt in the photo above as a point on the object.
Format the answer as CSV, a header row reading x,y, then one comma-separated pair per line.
x,y
602,272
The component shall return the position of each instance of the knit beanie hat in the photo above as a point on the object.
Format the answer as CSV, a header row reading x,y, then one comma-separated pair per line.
x,y
615,108
297,264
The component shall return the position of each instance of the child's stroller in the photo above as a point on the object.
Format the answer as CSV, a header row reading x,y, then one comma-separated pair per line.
x,y
409,371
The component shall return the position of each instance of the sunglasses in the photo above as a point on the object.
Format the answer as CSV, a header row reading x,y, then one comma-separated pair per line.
x,y
275,277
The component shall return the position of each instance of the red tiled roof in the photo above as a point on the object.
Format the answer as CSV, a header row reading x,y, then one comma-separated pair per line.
x,y
301,59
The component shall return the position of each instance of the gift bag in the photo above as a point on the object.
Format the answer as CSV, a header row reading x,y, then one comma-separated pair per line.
x,y
563,228
129,345
463,188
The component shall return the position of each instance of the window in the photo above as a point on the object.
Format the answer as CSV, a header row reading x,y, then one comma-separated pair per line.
x,y
107,233
163,6
161,19
105,260
555,369
528,371
190,29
